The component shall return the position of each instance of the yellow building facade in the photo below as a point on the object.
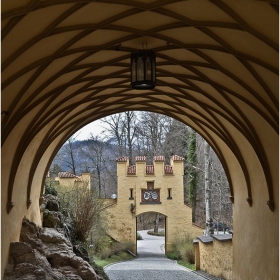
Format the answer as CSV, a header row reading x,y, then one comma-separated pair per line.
x,y
68,179
146,188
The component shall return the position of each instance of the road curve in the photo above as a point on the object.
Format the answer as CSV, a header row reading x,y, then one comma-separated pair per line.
x,y
151,264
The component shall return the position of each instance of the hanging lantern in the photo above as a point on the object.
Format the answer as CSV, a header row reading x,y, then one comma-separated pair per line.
x,y
143,70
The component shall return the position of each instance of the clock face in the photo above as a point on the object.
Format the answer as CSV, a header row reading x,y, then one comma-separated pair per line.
x,y
146,195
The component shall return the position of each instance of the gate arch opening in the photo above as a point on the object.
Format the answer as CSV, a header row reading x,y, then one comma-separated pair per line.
x,y
149,242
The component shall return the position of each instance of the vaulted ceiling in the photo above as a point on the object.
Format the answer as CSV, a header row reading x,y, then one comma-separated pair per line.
x,y
66,63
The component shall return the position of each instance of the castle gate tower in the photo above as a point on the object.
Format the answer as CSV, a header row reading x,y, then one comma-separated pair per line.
x,y
151,188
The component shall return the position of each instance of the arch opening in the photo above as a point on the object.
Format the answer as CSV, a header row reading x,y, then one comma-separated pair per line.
x,y
151,234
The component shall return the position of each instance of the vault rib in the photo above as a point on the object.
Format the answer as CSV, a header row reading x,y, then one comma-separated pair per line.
x,y
39,37
244,25
243,83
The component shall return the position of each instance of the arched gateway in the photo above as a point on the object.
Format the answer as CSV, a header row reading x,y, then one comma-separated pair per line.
x,y
66,63
150,188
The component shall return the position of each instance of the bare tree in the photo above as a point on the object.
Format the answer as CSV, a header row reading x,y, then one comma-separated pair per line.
x,y
116,132
152,129
85,208
208,183
221,204
176,138
122,130
94,153
129,123
68,155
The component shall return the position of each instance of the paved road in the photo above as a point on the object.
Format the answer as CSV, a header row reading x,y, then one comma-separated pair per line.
x,y
151,246
151,264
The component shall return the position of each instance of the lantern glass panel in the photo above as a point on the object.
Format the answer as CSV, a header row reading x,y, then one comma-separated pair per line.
x,y
133,70
153,70
148,69
140,69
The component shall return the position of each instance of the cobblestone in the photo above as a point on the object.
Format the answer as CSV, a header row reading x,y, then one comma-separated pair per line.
x,y
153,269
152,264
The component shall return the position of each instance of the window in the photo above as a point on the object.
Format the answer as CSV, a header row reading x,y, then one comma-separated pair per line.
x,y
131,194
169,194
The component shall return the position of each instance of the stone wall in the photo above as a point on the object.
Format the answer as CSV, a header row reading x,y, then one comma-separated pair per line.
x,y
215,255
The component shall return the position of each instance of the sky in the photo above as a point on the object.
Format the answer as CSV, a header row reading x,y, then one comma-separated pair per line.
x,y
95,128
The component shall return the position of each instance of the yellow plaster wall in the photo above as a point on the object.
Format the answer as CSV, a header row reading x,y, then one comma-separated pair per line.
x,y
178,215
215,258
85,178
11,223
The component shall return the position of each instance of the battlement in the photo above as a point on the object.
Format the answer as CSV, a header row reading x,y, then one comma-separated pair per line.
x,y
155,183
158,168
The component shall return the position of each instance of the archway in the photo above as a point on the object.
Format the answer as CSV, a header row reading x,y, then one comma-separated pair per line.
x,y
72,67
149,242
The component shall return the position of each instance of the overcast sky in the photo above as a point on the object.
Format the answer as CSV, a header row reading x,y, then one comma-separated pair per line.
x,y
95,128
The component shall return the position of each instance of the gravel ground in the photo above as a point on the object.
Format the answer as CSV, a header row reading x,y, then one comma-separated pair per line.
x,y
152,264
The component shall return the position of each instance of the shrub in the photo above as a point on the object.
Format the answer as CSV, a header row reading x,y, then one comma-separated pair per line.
x,y
115,249
105,254
139,237
85,208
101,242
184,249
161,233
50,190
190,255
172,256
99,271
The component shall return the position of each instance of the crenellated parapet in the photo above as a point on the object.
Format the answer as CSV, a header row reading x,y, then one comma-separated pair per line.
x,y
157,168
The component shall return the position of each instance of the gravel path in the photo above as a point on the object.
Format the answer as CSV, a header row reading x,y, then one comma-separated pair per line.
x,y
152,264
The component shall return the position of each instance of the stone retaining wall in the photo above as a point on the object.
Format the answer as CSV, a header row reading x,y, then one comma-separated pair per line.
x,y
214,255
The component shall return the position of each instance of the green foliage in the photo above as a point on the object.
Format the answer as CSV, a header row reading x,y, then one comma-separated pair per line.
x,y
101,242
187,265
99,270
115,249
192,177
123,256
183,249
50,190
173,256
